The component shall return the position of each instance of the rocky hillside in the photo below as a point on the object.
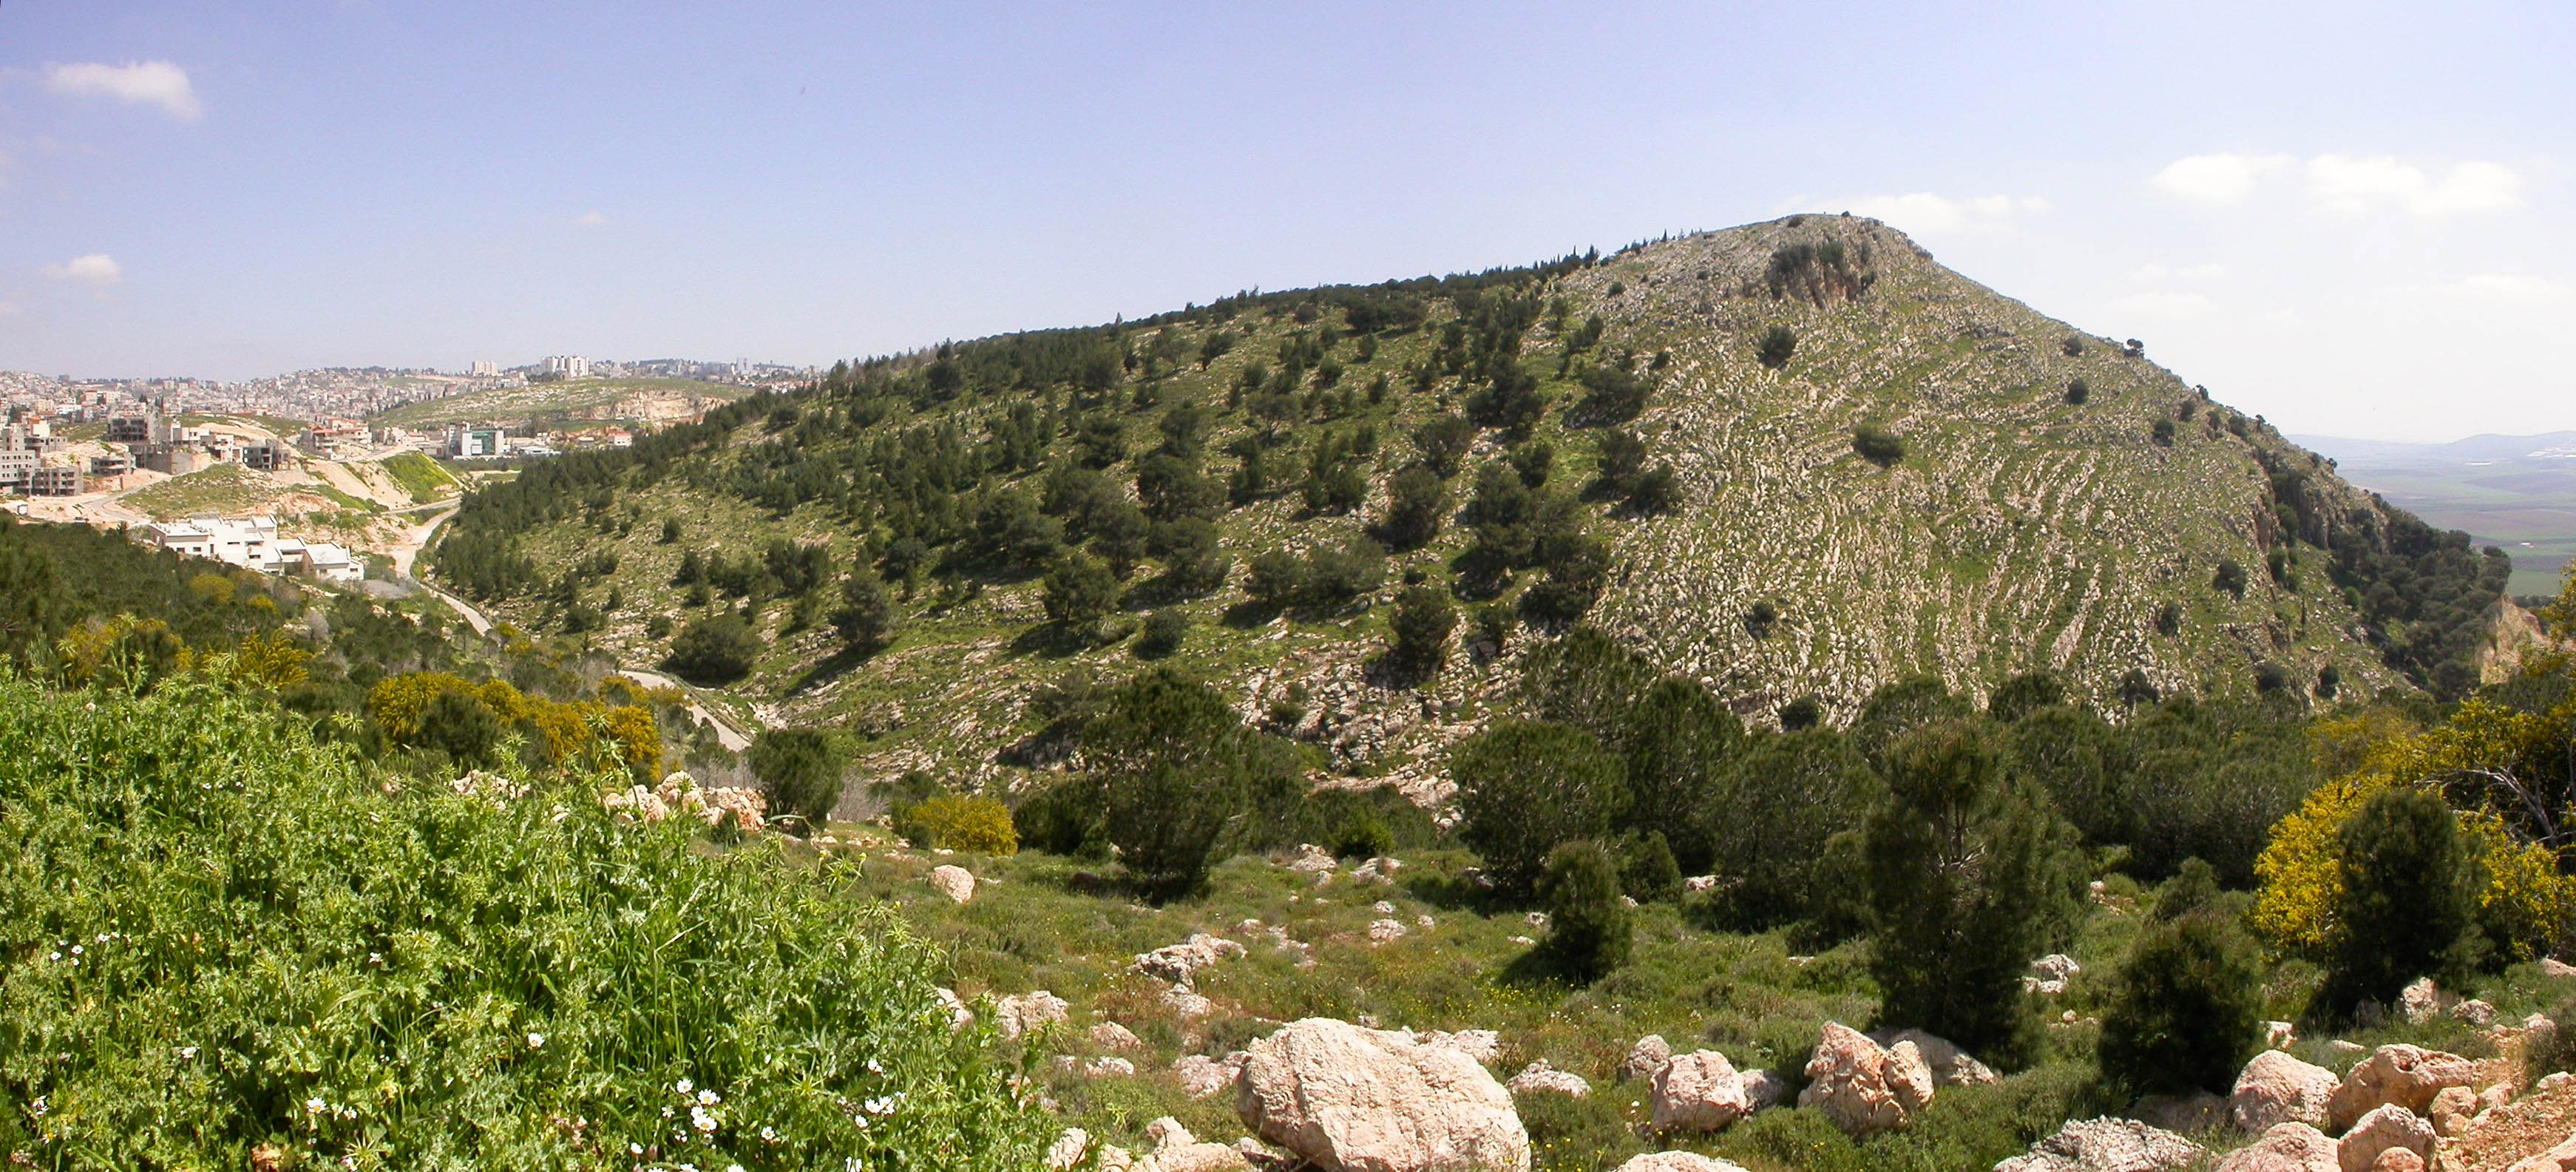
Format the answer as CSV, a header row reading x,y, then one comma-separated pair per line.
x,y
1792,459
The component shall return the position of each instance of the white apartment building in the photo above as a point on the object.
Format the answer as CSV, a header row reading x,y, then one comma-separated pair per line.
x,y
570,366
248,542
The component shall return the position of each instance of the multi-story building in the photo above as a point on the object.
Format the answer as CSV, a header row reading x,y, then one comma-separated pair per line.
x,y
116,462
137,429
266,455
56,480
469,443
18,468
569,366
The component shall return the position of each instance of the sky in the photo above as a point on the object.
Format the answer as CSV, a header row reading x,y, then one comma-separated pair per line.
x,y
2352,218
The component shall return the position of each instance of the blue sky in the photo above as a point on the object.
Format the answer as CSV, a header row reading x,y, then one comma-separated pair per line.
x,y
2351,217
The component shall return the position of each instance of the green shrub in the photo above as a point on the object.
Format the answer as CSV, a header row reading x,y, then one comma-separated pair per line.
x,y
1588,929
1776,347
2184,1009
1174,770
1570,1133
1794,1139
1647,871
799,772
1423,619
981,825
713,651
1363,835
2549,1051
414,978
1770,817
866,617
1877,444
1164,631
2408,900
2077,391
1524,787
1971,874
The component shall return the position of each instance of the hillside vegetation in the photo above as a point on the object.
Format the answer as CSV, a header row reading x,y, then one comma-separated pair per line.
x,y
1795,460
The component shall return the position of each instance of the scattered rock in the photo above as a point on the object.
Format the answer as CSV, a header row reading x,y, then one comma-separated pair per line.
x,y
1378,870
2557,1159
1537,919
2106,1145
958,1014
1482,1045
1699,1091
2387,1126
1110,1035
2277,1088
1862,1088
2340,1046
2554,967
1384,931
2451,1110
1181,963
1187,1004
2279,1035
2286,1147
1646,1057
1382,908
1678,1162
1027,1013
2406,1076
1950,1064
2493,1097
2048,974
1104,1066
1313,859
1348,1099
1202,1077
1539,1076
1068,1149
2398,1160
1697,883
1763,1090
1195,1158
1167,1132
2475,1012
957,883
2418,1002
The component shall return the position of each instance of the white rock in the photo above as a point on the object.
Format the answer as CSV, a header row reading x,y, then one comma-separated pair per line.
x,y
1181,963
958,1014
1101,1066
2275,1088
2475,1012
1539,1076
2279,1035
1349,1099
1382,908
1027,1013
2387,1126
1678,1162
957,883
2106,1145
1950,1064
2407,1076
1110,1035
1862,1088
1313,859
1186,1004
1699,1091
1482,1045
2418,1002
1646,1057
2554,967
1763,1090
1201,1076
2287,1147
1167,1132
1384,931
1068,1149
1698,883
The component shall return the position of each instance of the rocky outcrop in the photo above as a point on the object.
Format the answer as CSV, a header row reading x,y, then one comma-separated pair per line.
x,y
2407,1076
1349,1099
1764,1090
1951,1066
1863,1088
2387,1126
1110,1035
1699,1091
2048,974
2276,1088
1203,1077
1026,1013
2287,1147
2451,1110
2106,1145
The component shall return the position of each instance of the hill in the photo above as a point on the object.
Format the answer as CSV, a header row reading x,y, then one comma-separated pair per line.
x,y
2514,491
557,404
1793,459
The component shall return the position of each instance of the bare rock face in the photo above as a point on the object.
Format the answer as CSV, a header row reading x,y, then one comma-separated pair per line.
x,y
2474,1012
2106,1145
1539,1076
1482,1045
1026,1013
955,882
1312,859
2386,1126
1862,1088
1348,1099
1678,1162
1950,1064
2049,973
2419,1002
2407,1076
2554,967
2286,1147
2277,1088
1646,1057
1699,1091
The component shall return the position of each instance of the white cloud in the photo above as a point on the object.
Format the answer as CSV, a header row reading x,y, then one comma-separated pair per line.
x,y
9,306
589,219
2161,304
97,269
2491,291
154,83
2357,186
2198,272
1930,214
2217,180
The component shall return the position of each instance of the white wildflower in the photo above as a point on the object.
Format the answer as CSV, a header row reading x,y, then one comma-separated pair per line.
x,y
536,1041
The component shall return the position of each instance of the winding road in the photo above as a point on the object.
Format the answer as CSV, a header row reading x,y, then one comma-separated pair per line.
x,y
406,553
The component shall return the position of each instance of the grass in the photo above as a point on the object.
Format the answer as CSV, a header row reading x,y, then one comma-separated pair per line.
x,y
222,489
224,936
546,403
420,476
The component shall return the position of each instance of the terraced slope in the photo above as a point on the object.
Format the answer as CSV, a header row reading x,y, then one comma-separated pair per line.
x,y
2018,530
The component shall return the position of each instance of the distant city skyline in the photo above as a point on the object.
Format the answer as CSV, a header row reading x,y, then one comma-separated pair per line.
x,y
2354,219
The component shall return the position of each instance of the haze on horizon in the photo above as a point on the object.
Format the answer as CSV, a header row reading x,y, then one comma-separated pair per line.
x,y
2353,219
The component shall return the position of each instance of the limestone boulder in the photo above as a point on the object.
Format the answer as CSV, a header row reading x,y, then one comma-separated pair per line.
x,y
1022,1014
2398,1160
1699,1091
2403,1075
2286,1147
1764,1090
1203,1077
2386,1126
1197,1157
2452,1110
1646,1057
2106,1145
1541,1077
1862,1087
955,882
1180,963
2419,1002
2276,1088
1678,1162
1349,1099
1951,1066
